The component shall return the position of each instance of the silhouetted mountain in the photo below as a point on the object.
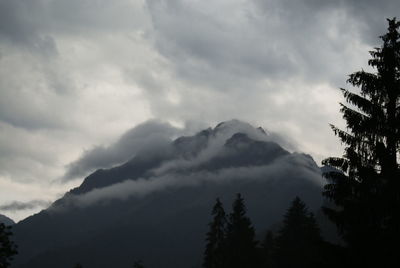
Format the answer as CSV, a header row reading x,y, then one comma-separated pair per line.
x,y
155,207
6,220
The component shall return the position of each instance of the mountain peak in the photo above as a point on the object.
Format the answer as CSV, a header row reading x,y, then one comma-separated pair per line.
x,y
238,137
235,125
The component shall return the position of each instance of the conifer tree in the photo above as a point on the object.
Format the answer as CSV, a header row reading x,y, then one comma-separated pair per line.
x,y
299,240
241,243
7,248
366,191
214,255
138,264
268,250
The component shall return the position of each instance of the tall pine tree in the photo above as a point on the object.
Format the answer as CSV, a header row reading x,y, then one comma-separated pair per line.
x,y
241,243
214,255
299,242
268,250
367,190
138,264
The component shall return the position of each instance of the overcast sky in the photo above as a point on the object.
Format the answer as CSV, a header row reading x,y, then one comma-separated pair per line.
x,y
79,74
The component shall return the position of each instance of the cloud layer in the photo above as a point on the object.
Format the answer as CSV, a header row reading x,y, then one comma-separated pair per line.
x,y
17,205
206,158
281,172
144,138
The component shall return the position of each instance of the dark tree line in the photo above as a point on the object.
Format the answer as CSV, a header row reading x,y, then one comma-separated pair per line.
x,y
7,248
231,240
298,243
366,188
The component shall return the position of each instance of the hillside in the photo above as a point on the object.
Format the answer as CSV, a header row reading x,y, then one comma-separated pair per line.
x,y
156,206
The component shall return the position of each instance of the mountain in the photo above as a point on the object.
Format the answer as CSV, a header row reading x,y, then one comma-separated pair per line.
x,y
6,220
156,206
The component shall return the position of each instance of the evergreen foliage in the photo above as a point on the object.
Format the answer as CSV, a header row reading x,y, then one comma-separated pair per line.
x,y
214,255
299,242
138,264
7,248
240,237
231,243
268,250
366,191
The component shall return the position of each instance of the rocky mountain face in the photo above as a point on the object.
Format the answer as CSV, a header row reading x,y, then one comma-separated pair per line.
x,y
6,220
156,207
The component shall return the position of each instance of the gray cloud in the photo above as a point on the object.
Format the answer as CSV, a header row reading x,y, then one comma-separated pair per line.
x,y
248,45
265,40
143,138
154,136
18,205
279,171
367,17
211,49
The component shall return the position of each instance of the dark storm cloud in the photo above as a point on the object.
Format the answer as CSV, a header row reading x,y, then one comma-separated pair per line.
x,y
263,39
31,22
17,205
368,16
20,23
143,138
14,21
211,49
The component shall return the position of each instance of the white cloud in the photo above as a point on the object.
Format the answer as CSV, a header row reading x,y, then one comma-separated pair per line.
x,y
281,171
144,138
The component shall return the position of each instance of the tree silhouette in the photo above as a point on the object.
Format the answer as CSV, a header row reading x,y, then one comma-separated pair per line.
x,y
299,241
214,255
138,264
241,243
268,250
78,265
366,191
7,248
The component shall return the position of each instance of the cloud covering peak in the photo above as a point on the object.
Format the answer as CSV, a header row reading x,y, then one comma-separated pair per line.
x,y
233,152
143,138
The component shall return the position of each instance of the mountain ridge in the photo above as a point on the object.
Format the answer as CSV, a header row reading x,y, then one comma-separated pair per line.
x,y
164,198
6,220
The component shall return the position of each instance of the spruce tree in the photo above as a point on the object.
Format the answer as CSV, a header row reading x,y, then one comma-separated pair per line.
x,y
138,264
214,255
241,243
366,190
268,250
7,248
299,241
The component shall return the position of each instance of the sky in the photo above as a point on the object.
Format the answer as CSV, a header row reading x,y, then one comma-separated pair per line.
x,y
84,76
